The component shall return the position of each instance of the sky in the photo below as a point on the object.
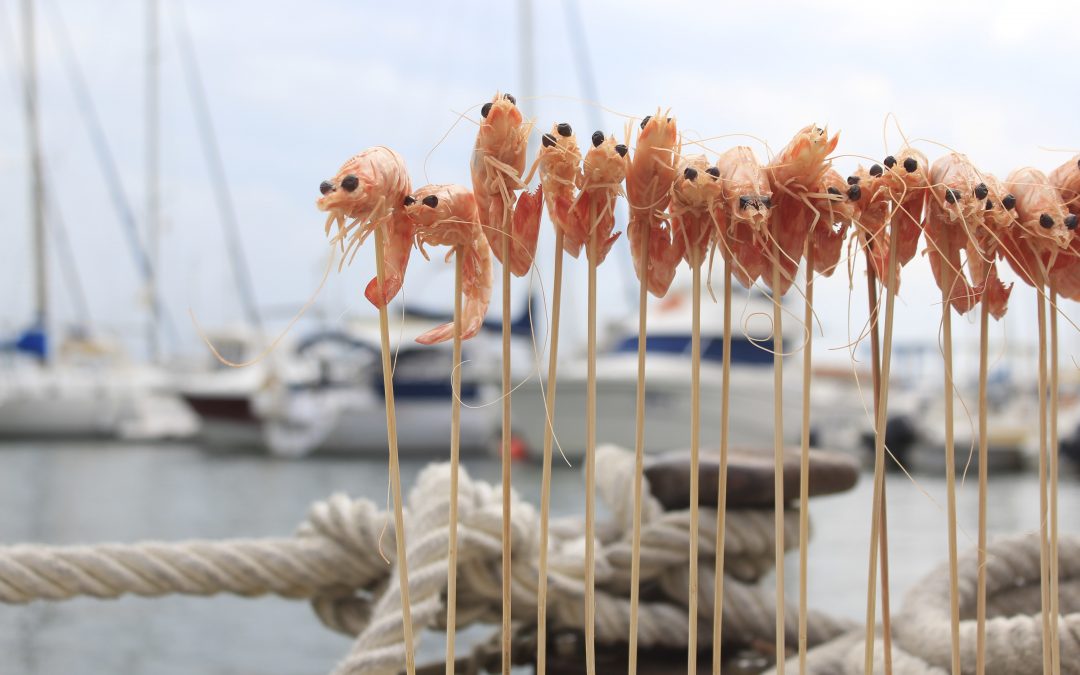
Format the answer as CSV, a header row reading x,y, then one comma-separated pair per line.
x,y
296,88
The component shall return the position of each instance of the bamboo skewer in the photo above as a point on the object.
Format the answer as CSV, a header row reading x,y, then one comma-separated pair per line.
x,y
804,458
695,459
721,493
506,458
590,461
549,436
395,468
1043,543
877,529
984,445
883,539
1055,643
639,456
778,454
950,461
455,457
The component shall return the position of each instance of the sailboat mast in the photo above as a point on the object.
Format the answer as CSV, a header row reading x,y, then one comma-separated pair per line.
x,y
153,230
37,194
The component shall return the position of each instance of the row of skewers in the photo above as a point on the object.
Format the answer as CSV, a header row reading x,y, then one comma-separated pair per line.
x,y
765,221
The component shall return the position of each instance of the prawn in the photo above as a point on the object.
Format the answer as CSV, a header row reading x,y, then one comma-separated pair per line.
x,y
746,208
368,191
905,177
498,161
1066,178
560,175
648,190
605,168
446,215
1044,226
956,208
693,195
837,205
999,215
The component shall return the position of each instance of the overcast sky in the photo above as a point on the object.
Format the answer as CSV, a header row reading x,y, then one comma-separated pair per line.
x,y
297,88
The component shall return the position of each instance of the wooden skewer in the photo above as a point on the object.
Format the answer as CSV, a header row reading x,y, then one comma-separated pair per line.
x,y
549,436
1043,535
1055,642
506,458
695,460
455,457
778,454
947,280
590,461
883,539
721,493
395,468
984,446
639,455
877,530
804,458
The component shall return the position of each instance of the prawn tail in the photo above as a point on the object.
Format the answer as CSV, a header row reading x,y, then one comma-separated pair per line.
x,y
438,334
605,247
397,246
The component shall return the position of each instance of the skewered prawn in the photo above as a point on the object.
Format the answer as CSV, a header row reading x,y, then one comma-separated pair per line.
x,y
1065,273
905,175
1066,178
1043,225
694,194
837,204
956,209
560,173
369,190
446,215
648,189
999,216
498,161
605,168
744,222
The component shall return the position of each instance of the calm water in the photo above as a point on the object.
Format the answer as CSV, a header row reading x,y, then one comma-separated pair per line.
x,y
80,493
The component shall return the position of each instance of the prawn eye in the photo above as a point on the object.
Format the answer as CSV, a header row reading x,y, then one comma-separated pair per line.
x,y
766,201
989,205
876,170
713,171
981,191
564,129
485,110
431,201
1009,201
510,97
597,138
350,183
744,202
1046,220
645,121
690,173
889,161
852,180
1070,221
854,192
548,140
410,200
951,195
325,187
833,191
621,149
910,165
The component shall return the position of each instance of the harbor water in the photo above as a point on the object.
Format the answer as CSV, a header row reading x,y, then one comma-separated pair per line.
x,y
71,493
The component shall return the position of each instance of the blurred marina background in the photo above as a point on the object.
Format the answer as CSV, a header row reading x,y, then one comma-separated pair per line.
x,y
179,146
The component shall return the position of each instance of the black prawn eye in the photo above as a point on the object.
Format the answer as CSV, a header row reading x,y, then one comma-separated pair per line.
x,y
410,200
1046,220
350,183
690,173
744,201
981,191
548,140
510,97
621,149
876,170
485,110
713,171
854,192
951,195
852,180
645,121
431,201
833,191
564,129
1070,221
325,187
989,205
766,202
1009,201
597,138
889,161
910,165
